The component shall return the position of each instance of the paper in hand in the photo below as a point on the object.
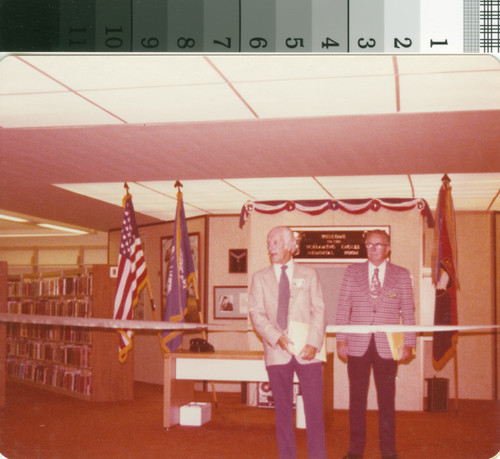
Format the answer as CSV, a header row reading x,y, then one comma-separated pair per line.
x,y
297,332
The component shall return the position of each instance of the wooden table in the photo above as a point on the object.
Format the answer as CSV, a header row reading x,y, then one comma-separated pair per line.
x,y
183,368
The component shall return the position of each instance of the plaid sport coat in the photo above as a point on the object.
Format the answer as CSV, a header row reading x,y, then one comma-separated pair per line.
x,y
356,306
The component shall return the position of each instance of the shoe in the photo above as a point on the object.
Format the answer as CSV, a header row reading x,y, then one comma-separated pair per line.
x,y
352,456
390,457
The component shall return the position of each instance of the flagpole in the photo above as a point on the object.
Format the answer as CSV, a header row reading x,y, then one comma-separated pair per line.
x,y
148,284
179,185
455,371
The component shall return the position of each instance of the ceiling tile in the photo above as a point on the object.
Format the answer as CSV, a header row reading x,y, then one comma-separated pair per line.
x,y
469,191
210,196
50,109
278,67
280,188
173,104
86,72
322,97
445,64
18,78
450,92
374,186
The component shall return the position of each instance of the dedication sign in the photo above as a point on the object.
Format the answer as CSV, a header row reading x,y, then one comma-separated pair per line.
x,y
332,244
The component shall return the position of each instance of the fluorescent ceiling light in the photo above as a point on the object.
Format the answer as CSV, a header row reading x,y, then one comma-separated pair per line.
x,y
61,228
13,219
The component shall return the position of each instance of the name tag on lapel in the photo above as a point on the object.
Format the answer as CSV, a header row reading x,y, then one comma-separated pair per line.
x,y
298,283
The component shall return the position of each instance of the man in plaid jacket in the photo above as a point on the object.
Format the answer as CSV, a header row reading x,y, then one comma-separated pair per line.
x,y
374,293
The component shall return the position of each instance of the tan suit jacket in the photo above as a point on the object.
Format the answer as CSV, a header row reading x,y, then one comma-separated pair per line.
x,y
306,305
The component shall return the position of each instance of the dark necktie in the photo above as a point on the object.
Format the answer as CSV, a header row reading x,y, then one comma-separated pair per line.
x,y
283,299
375,284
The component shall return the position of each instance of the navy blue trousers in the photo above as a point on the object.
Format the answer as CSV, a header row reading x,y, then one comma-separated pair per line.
x,y
384,372
310,378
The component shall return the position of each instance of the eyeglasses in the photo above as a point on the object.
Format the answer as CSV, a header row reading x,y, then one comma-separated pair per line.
x,y
378,245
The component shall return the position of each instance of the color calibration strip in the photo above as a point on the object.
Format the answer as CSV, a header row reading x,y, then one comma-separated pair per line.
x,y
217,26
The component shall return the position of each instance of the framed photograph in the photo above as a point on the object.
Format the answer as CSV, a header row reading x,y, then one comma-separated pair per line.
x,y
237,260
166,250
231,302
332,244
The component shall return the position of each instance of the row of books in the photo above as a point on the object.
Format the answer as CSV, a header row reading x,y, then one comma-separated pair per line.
x,y
52,307
67,354
81,285
53,333
53,375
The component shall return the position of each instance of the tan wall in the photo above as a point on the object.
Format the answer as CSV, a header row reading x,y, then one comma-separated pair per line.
x,y
224,234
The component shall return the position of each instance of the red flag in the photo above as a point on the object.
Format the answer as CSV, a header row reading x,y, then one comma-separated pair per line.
x,y
132,275
445,277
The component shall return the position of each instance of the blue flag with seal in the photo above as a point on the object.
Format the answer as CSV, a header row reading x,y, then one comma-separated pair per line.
x,y
181,274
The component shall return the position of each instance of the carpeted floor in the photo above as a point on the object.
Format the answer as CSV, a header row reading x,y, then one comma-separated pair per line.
x,y
41,424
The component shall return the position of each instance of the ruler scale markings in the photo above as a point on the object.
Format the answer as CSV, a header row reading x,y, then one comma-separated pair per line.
x,y
258,26
329,26
185,26
77,25
320,26
402,26
366,25
441,26
113,25
221,22
149,19
293,26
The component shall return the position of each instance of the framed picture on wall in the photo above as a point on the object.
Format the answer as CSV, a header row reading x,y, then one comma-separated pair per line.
x,y
166,251
237,260
231,302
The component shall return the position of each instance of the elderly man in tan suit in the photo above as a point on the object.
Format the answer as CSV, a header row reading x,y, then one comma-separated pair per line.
x,y
280,293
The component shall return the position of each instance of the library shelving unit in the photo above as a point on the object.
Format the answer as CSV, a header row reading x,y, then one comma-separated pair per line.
x,y
77,361
3,329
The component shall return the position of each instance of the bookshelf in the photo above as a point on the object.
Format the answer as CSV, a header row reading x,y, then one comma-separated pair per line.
x,y
3,330
76,361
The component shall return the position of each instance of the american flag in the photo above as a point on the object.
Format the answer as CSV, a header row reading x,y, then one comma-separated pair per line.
x,y
132,275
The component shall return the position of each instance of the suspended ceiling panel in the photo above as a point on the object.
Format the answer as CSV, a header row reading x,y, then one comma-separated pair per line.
x,y
243,127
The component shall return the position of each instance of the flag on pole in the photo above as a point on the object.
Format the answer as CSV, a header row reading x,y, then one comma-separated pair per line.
x,y
181,274
445,277
132,275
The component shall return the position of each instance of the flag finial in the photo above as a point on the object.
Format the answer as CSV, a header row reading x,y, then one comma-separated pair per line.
x,y
445,179
178,184
127,193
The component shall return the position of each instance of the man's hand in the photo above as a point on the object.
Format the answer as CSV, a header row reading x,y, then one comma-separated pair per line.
x,y
405,353
308,353
284,341
342,349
